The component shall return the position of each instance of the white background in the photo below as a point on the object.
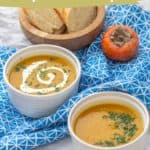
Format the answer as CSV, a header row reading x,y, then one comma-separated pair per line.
x,y
11,35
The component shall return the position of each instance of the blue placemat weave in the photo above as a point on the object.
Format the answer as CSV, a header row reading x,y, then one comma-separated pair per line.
x,y
99,74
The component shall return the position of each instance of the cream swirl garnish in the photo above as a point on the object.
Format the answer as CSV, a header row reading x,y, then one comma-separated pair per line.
x,y
28,71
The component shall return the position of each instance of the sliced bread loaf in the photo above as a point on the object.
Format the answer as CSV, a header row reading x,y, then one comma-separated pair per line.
x,y
77,18
46,20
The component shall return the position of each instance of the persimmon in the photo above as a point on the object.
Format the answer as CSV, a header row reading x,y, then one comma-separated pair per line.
x,y
120,43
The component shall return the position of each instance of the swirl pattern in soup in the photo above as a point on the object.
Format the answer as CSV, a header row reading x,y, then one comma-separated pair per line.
x,y
42,74
108,125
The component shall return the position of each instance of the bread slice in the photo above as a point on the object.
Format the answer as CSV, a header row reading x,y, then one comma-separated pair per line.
x,y
77,18
46,20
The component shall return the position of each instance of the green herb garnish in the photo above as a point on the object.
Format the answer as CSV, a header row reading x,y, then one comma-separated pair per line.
x,y
125,123
19,67
30,84
43,74
120,139
105,143
130,130
65,71
105,117
54,73
57,89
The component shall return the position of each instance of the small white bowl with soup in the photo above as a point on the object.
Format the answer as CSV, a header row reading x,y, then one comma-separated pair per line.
x,y
40,78
109,121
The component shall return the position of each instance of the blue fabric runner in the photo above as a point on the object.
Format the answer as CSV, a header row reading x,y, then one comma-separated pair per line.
x,y
99,74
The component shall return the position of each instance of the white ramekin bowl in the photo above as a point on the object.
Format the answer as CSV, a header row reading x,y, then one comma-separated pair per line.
x,y
107,97
36,106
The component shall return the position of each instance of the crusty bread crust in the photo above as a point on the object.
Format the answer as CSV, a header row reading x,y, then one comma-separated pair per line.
x,y
77,18
46,20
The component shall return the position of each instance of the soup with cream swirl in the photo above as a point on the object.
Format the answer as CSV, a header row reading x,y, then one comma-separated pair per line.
x,y
42,74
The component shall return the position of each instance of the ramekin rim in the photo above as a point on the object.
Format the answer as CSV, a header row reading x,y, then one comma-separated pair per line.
x,y
77,66
82,100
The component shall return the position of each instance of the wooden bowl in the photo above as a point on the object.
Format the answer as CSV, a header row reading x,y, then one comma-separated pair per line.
x,y
72,41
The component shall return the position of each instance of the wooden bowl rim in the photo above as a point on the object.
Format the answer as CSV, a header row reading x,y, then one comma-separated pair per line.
x,y
67,36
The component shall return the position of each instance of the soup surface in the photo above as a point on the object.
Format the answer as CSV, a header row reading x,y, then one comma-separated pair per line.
x,y
108,125
42,74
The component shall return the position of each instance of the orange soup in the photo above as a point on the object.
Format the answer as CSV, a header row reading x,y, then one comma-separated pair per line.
x,y
108,125
42,74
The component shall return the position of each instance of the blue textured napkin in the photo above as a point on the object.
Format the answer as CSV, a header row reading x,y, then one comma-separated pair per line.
x,y
99,74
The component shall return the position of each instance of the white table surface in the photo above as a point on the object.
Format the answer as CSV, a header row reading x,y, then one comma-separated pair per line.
x,y
11,35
